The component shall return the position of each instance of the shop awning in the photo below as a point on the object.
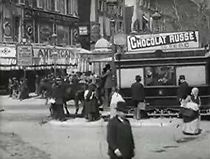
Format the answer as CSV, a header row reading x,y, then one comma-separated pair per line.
x,y
42,57
107,59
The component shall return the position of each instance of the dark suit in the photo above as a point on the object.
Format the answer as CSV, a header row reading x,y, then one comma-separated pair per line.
x,y
119,136
58,94
183,91
138,97
137,92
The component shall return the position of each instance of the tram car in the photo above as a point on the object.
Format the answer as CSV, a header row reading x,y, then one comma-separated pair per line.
x,y
160,71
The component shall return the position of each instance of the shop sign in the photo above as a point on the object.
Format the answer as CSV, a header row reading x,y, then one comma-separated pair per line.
x,y
163,41
83,30
44,56
24,54
7,61
7,52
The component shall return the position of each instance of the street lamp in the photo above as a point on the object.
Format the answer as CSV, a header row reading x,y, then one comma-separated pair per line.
x,y
112,22
54,53
24,42
118,58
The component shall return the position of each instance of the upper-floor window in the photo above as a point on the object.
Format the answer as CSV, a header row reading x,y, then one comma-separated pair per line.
x,y
60,6
72,7
100,5
56,5
69,7
40,3
75,8
47,4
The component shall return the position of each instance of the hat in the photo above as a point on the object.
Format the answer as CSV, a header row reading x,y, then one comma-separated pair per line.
x,y
182,77
138,78
121,106
194,90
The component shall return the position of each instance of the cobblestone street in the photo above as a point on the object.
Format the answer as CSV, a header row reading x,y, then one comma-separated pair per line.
x,y
27,131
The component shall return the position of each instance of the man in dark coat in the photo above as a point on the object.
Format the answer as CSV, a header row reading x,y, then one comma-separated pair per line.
x,y
183,90
138,98
107,76
58,95
37,84
91,103
119,135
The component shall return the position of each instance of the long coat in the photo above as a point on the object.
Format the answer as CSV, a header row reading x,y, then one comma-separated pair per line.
x,y
108,80
91,104
137,92
57,94
119,135
183,91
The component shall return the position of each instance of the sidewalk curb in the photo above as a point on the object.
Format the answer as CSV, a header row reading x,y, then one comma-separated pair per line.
x,y
101,122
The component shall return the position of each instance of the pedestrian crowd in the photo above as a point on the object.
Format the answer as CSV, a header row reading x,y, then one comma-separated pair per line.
x,y
18,89
93,91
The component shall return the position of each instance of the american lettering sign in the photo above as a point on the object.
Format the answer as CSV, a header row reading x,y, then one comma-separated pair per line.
x,y
163,41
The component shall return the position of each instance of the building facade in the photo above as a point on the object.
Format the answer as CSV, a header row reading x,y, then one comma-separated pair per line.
x,y
99,21
106,19
37,20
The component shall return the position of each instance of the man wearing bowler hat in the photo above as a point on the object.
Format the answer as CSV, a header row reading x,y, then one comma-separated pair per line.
x,y
58,95
183,90
138,98
119,135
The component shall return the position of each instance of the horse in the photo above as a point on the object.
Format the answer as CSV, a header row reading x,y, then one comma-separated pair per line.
x,y
74,92
45,88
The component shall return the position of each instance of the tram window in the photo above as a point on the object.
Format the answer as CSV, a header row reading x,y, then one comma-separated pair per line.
x,y
195,75
128,76
160,75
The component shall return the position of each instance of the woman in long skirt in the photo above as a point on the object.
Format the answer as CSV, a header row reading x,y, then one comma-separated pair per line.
x,y
191,117
91,103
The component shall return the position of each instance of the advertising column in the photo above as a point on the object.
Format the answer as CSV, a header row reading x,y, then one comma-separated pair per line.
x,y
24,55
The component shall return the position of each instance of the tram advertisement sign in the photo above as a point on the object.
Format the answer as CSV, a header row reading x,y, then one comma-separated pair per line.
x,y
163,41
24,54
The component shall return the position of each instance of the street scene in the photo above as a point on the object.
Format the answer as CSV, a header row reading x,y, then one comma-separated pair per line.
x,y
104,79
26,132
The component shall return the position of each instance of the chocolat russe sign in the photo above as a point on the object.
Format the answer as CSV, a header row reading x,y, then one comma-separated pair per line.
x,y
162,41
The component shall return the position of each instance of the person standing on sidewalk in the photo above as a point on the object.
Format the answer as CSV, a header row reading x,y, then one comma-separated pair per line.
x,y
119,135
183,90
107,85
58,95
115,98
37,84
138,98
91,104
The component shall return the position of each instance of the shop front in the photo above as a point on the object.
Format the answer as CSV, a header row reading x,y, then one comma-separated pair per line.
x,y
43,62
